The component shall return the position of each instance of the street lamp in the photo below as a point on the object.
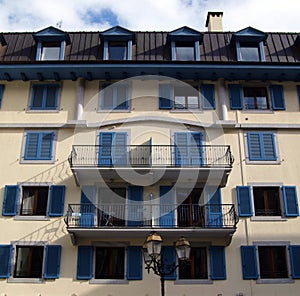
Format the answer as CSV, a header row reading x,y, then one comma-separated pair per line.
x,y
154,258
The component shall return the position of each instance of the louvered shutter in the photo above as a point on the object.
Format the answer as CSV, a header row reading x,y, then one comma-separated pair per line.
x,y
290,199
52,262
31,147
277,97
5,259
119,151
181,149
249,262
217,263
134,263
169,257
295,261
1,93
208,96
46,142
57,200
254,146
135,206
51,96
10,201
105,151
235,96
215,217
244,201
167,207
87,206
85,263
165,99
268,146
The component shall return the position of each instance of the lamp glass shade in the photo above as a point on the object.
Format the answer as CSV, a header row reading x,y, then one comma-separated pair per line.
x,y
147,257
153,243
183,249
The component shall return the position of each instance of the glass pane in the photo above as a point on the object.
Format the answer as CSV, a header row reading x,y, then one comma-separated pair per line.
x,y
250,53
29,262
117,52
180,102
42,200
193,102
121,94
266,201
28,201
185,53
50,53
108,97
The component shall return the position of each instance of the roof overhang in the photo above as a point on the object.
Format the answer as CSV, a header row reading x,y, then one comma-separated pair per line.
x,y
180,70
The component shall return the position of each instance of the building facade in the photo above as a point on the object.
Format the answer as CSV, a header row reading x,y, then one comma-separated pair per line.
x,y
109,136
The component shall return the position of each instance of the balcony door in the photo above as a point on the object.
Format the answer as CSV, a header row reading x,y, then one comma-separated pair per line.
x,y
167,207
112,149
190,213
214,209
135,206
188,149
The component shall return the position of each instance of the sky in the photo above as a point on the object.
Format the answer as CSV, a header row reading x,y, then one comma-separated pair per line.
x,y
147,15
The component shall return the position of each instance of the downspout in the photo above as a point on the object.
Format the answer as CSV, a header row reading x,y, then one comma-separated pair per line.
x,y
80,98
222,99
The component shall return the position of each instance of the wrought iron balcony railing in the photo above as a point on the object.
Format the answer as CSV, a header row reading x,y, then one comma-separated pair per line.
x,y
151,156
124,216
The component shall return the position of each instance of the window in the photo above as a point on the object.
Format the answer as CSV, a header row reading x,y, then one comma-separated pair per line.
x,y
114,97
39,146
185,51
261,146
117,51
44,97
30,261
1,93
256,97
109,263
270,261
33,200
249,51
183,97
51,51
267,201
188,150
112,150
196,267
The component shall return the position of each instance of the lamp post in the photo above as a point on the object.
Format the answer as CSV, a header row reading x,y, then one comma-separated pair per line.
x,y
154,260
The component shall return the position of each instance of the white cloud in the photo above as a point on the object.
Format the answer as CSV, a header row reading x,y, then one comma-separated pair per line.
x,y
33,15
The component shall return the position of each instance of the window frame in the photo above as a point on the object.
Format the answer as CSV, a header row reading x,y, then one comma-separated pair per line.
x,y
255,89
114,87
259,45
193,44
43,44
51,160
262,160
285,244
43,108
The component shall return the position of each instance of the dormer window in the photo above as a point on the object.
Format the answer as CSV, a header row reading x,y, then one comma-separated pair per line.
x,y
185,44
249,45
117,44
51,44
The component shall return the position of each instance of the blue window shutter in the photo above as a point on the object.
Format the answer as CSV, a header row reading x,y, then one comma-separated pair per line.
x,y
105,151
298,90
31,147
119,151
87,206
244,201
268,146
51,96
165,99
57,200
85,263
290,199
10,202
277,97
217,263
208,96
235,96
52,262
249,262
295,261
215,215
169,257
1,93
134,263
254,146
167,207
181,149
135,206
46,143
5,259
37,96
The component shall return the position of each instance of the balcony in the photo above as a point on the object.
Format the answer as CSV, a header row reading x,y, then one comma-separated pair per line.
x,y
138,219
90,163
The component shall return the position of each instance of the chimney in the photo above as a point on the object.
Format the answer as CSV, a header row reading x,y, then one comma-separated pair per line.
x,y
214,21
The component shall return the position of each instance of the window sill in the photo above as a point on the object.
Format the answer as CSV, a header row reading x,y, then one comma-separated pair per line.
x,y
113,111
26,280
257,111
188,110
38,161
194,282
268,218
263,162
108,281
32,218
275,281
42,111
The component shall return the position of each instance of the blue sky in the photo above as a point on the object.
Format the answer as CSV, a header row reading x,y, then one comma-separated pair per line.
x,y
79,15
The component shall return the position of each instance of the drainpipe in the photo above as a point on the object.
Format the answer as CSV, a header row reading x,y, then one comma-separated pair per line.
x,y
222,99
80,98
